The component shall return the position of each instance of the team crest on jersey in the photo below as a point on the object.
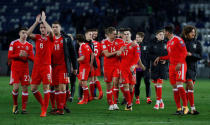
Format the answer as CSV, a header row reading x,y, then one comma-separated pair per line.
x,y
172,42
61,41
26,47
104,46
138,48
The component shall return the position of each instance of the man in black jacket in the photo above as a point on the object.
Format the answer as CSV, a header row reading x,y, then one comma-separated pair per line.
x,y
194,49
144,47
159,71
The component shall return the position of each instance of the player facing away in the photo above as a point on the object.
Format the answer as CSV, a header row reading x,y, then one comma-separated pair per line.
x,y
194,54
20,51
85,60
42,62
96,71
60,60
129,59
159,71
144,47
110,47
177,53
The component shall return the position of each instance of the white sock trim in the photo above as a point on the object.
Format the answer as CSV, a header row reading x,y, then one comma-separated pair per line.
x,y
14,93
179,86
190,91
25,93
175,89
35,91
45,92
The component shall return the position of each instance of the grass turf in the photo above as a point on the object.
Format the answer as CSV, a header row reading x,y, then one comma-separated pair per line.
x,y
96,112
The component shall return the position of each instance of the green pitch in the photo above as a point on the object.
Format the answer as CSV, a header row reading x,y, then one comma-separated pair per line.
x,y
96,112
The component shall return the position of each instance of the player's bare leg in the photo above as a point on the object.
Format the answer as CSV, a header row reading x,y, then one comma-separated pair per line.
x,y
15,98
190,94
116,91
24,98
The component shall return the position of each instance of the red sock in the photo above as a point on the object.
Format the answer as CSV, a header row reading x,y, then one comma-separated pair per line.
x,y
191,97
98,84
187,95
46,99
62,99
109,97
57,99
92,88
52,98
159,92
38,97
68,94
182,94
24,99
128,97
86,93
177,98
15,97
116,94
132,94
122,89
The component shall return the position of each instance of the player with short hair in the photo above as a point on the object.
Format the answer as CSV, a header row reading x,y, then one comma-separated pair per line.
x,y
194,54
42,62
110,47
159,72
177,54
85,64
20,51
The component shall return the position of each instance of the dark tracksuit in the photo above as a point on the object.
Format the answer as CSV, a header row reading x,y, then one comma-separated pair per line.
x,y
157,49
144,47
195,48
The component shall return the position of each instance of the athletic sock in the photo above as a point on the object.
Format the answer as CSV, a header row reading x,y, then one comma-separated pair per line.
x,y
52,98
24,99
86,93
116,94
92,88
191,97
159,92
38,97
15,97
128,97
98,84
62,99
46,99
182,94
57,99
177,98
109,97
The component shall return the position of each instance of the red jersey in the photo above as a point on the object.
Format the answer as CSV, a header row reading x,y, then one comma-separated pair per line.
x,y
58,52
20,63
43,50
130,56
177,51
97,49
112,47
85,50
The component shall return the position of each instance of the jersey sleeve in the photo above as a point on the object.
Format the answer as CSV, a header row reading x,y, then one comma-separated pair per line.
x,y
11,52
103,46
164,57
136,54
181,49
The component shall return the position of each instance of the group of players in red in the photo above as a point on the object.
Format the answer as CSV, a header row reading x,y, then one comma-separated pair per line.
x,y
121,58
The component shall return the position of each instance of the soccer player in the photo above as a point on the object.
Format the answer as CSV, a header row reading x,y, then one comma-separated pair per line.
x,y
95,72
177,53
60,60
20,51
85,64
42,62
194,54
110,48
144,47
158,72
129,58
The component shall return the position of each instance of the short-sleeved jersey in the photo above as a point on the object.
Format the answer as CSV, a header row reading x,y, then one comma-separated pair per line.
x,y
112,47
130,56
177,51
43,50
97,49
58,52
20,63
85,51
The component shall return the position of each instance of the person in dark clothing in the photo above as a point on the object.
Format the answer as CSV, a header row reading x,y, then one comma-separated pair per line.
x,y
158,47
144,47
194,49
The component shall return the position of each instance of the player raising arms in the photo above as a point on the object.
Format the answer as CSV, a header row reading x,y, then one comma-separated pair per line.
x,y
63,54
85,60
42,63
177,53
20,51
110,48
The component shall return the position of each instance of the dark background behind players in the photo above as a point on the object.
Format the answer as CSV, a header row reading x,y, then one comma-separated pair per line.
x,y
76,16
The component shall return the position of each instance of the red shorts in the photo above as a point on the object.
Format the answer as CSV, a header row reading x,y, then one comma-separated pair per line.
x,y
59,75
127,77
158,81
177,76
41,73
83,73
110,72
22,77
96,72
